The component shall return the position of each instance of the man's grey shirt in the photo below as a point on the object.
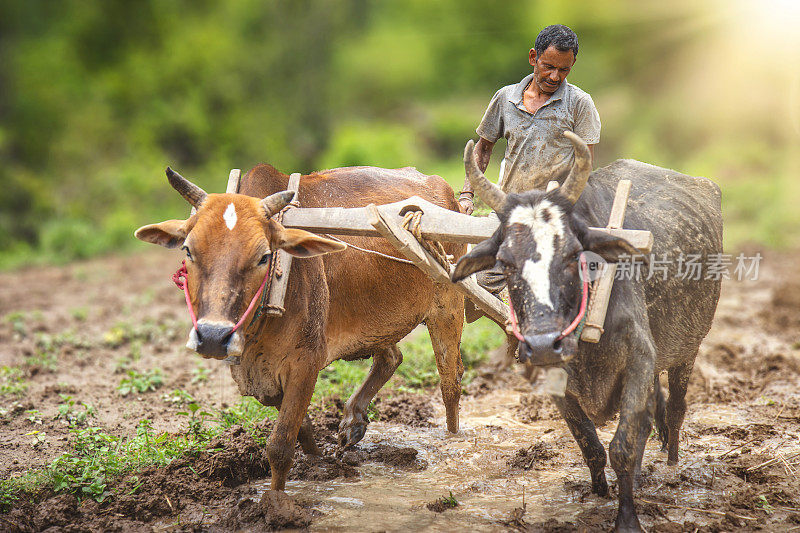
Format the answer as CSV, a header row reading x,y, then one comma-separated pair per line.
x,y
537,150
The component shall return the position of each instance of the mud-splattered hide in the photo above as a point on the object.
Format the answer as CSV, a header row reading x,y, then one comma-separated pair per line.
x,y
653,322
229,243
538,245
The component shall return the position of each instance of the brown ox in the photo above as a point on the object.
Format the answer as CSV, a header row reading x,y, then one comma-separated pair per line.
x,y
348,305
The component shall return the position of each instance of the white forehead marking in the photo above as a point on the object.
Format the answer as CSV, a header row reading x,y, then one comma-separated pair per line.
x,y
545,232
230,217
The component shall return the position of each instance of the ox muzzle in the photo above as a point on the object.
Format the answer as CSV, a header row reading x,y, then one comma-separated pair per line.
x,y
546,349
217,340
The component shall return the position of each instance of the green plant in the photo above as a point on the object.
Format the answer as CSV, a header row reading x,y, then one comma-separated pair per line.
x,y
34,416
8,494
200,373
38,438
70,415
80,313
248,413
177,397
98,458
12,381
443,503
18,320
196,419
136,382
764,504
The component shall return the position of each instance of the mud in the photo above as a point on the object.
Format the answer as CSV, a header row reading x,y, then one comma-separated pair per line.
x,y
409,409
76,330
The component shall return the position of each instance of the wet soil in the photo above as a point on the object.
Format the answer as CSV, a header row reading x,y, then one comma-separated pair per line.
x,y
76,330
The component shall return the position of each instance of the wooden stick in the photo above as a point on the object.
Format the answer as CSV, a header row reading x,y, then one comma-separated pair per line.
x,y
407,245
277,290
596,315
438,223
772,461
736,448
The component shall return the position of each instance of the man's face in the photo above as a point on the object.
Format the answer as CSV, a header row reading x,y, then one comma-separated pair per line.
x,y
550,69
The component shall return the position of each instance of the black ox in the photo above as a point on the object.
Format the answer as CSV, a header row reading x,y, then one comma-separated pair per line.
x,y
652,325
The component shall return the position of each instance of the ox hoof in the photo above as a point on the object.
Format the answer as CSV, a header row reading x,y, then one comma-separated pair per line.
x,y
600,487
627,523
351,434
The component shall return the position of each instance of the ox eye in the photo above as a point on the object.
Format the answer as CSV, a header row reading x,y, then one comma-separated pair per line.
x,y
265,258
188,253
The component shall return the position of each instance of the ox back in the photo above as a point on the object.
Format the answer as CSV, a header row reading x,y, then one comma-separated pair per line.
x,y
684,215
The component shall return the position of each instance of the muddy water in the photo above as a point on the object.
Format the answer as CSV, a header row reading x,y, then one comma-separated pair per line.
x,y
472,464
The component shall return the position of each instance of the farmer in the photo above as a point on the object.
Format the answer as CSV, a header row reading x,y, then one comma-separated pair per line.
x,y
533,115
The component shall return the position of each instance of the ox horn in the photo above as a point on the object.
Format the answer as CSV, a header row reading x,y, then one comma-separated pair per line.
x,y
273,203
488,191
579,173
191,192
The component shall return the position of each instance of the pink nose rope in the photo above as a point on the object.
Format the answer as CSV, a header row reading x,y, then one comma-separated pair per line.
x,y
180,279
513,325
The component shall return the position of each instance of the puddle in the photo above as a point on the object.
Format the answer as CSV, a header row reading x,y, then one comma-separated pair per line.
x,y
473,465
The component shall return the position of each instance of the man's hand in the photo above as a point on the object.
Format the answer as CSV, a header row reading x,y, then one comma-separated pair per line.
x,y
465,202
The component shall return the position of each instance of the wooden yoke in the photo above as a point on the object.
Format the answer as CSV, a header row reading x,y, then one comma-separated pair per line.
x,y
383,220
601,290
283,265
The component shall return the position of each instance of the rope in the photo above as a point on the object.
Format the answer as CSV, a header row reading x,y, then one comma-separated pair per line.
x,y
180,278
375,252
411,222
275,268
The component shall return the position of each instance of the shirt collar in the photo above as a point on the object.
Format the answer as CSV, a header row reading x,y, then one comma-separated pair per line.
x,y
519,93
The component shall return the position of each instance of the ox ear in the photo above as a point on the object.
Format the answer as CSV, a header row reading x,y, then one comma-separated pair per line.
x,y
170,233
607,246
301,243
481,257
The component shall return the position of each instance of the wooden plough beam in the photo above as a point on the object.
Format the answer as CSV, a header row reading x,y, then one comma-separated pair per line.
x,y
438,224
383,220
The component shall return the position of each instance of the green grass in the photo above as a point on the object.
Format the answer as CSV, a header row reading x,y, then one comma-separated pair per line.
x,y
96,458
137,382
12,381
418,371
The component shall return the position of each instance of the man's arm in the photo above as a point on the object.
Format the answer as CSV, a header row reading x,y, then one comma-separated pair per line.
x,y
483,153
591,152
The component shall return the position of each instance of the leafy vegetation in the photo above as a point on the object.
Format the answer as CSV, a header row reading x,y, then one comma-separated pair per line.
x,y
99,97
71,413
12,381
137,382
97,458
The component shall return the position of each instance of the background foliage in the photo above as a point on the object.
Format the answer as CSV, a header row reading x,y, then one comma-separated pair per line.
x,y
99,96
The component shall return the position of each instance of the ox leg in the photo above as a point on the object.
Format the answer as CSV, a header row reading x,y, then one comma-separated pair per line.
x,y
586,436
445,325
306,437
635,422
676,407
354,422
281,443
661,414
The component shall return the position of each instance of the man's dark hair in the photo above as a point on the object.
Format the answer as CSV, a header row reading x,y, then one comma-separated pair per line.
x,y
559,36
